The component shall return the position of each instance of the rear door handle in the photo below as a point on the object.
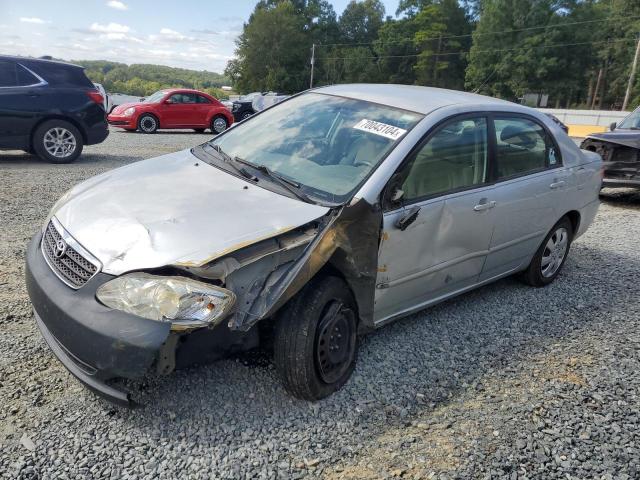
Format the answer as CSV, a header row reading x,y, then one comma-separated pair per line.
x,y
484,205
558,184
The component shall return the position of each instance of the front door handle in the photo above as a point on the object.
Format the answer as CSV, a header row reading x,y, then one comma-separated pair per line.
x,y
557,184
484,205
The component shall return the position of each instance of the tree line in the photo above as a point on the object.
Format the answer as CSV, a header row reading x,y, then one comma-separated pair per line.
x,y
579,52
144,79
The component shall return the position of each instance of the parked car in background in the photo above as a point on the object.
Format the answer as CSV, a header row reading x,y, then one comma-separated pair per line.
x,y
326,216
49,108
620,150
173,108
107,99
557,121
244,107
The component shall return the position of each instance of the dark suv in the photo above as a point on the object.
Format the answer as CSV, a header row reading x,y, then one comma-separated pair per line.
x,y
48,108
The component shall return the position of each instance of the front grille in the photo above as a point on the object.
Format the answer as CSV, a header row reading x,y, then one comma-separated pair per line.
x,y
71,266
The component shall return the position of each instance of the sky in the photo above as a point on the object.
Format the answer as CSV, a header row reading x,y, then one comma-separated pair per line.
x,y
199,35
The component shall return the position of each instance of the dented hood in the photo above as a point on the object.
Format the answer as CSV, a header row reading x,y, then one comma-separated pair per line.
x,y
628,138
174,210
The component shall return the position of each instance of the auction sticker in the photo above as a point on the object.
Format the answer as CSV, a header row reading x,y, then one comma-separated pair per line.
x,y
382,129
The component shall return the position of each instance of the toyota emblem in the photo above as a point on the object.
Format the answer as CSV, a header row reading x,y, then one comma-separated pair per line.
x,y
61,249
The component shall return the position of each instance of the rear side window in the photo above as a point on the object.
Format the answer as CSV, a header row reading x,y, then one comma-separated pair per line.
x,y
25,77
202,99
8,74
61,74
523,146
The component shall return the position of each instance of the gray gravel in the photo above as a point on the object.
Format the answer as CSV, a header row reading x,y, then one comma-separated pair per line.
x,y
507,381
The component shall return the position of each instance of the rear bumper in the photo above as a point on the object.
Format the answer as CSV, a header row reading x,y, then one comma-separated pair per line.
x,y
98,133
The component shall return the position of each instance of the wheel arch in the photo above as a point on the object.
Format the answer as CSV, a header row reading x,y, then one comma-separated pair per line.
x,y
574,218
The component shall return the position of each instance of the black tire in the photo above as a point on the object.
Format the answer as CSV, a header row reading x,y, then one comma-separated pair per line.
x,y
148,123
246,115
315,340
199,130
46,136
534,274
216,124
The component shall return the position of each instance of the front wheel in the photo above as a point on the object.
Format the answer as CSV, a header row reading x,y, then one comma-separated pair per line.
x,y
57,141
219,124
316,341
550,257
148,123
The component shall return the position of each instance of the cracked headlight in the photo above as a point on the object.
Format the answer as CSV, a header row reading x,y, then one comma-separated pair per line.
x,y
183,302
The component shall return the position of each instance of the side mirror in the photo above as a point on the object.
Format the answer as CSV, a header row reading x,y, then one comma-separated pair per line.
x,y
396,195
613,126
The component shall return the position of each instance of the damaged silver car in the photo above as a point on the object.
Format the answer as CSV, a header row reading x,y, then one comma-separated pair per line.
x,y
315,221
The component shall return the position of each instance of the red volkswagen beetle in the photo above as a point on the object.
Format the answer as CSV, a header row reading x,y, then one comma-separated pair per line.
x,y
173,108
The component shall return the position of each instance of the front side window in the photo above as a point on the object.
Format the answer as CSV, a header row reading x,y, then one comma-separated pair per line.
x,y
326,144
454,158
183,98
523,146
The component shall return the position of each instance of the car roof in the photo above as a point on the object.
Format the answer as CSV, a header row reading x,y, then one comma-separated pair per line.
x,y
19,59
408,97
185,90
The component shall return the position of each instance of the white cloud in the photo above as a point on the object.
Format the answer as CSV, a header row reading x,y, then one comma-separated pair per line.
x,y
109,28
117,5
36,20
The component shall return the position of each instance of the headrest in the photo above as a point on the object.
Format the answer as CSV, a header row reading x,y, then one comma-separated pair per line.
x,y
517,136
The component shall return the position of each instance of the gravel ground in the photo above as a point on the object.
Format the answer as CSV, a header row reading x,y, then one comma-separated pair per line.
x,y
507,381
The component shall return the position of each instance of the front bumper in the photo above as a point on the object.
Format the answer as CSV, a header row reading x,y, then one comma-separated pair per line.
x,y
94,343
122,121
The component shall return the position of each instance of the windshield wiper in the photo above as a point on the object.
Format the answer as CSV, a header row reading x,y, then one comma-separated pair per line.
x,y
285,183
229,161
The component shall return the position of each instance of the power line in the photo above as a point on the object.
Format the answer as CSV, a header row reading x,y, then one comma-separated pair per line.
x,y
480,33
494,50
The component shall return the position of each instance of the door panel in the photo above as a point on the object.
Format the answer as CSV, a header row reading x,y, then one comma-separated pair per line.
x,y
449,212
442,251
527,205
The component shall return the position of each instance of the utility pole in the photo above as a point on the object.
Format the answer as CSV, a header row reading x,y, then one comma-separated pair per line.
x,y
313,61
632,76
597,89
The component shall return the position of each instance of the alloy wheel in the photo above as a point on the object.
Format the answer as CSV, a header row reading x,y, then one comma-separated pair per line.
x,y
148,124
219,125
554,252
59,142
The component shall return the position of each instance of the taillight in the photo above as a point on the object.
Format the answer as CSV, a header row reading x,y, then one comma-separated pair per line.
x,y
96,96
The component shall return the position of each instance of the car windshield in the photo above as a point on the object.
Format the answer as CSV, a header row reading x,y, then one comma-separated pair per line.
x,y
326,144
155,98
631,121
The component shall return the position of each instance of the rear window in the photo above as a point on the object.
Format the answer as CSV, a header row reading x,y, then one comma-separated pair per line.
x,y
61,74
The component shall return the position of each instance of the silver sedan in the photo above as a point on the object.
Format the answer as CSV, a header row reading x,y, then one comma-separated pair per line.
x,y
312,222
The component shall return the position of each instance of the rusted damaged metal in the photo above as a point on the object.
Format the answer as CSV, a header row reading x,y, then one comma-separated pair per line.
x,y
267,274
620,152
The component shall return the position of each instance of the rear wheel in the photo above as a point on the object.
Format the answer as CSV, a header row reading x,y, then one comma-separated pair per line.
x,y
148,123
550,257
315,341
219,124
57,141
